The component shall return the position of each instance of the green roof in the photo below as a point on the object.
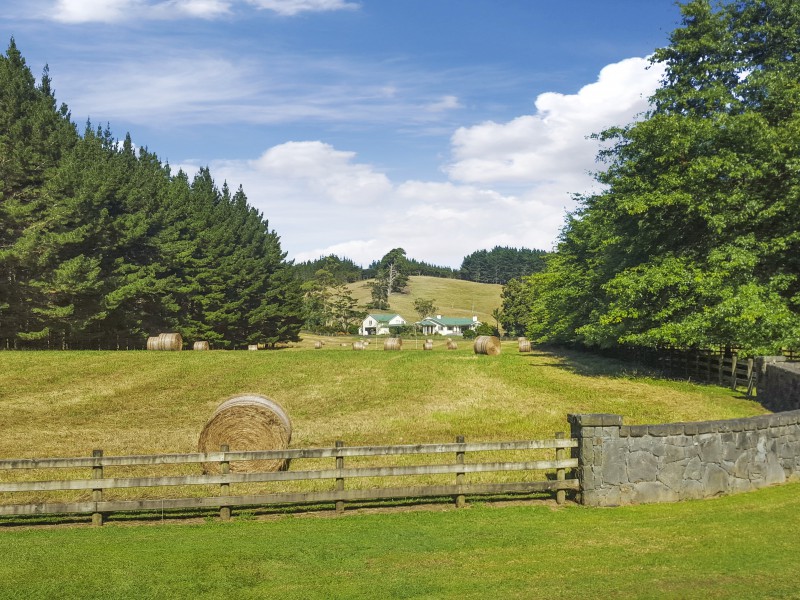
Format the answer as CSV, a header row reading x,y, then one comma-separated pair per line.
x,y
447,321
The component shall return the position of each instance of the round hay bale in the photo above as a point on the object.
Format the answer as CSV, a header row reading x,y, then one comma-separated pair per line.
x,y
487,344
358,345
427,346
247,422
317,345
202,345
153,343
170,341
252,346
524,345
521,339
452,345
393,344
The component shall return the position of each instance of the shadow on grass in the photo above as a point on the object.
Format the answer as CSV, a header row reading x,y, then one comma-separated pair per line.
x,y
248,513
587,364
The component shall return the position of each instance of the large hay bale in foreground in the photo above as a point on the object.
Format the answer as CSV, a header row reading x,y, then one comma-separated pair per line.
x,y
524,345
393,344
487,344
247,422
202,345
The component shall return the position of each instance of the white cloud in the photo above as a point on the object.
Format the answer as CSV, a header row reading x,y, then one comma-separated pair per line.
x,y
327,173
444,103
106,11
114,11
552,144
290,8
322,200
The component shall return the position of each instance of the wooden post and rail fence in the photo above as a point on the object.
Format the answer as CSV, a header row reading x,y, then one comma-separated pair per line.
x,y
100,505
705,365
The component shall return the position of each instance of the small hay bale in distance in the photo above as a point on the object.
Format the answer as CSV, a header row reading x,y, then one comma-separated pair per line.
x,y
524,345
317,345
393,344
427,346
452,345
247,422
358,345
252,346
201,345
487,344
165,341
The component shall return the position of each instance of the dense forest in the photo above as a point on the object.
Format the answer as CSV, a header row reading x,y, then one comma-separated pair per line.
x,y
695,240
501,264
498,265
102,246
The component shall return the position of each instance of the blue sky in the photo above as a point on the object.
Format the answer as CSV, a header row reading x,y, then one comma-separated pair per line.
x,y
357,126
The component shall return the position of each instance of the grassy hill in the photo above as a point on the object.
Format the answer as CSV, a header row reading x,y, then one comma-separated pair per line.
x,y
453,297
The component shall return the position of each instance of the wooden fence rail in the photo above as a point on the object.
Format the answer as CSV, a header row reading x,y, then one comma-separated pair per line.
x,y
98,483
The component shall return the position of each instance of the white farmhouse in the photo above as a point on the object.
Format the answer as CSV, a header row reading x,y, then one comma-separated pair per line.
x,y
380,324
447,325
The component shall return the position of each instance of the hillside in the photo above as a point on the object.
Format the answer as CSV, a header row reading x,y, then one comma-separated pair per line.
x,y
453,297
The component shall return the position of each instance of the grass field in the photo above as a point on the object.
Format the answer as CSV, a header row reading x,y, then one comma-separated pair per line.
x,y
741,547
67,403
453,297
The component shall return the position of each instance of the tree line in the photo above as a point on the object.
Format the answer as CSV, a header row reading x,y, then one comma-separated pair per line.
x,y
102,245
695,239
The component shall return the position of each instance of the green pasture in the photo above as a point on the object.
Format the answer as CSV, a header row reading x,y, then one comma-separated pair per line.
x,y
743,546
67,403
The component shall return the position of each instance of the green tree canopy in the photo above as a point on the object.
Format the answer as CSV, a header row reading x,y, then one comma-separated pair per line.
x,y
694,240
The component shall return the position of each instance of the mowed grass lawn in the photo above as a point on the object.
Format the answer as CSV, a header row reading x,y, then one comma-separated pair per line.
x,y
67,403
743,546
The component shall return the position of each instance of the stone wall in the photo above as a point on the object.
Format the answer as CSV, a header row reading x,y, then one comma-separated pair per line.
x,y
778,384
635,464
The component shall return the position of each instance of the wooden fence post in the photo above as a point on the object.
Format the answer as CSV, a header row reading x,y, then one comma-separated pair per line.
x,y
561,474
97,494
224,488
460,500
720,367
734,359
339,486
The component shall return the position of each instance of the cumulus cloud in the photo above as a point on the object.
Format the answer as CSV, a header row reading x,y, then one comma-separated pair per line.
x,y
551,144
324,200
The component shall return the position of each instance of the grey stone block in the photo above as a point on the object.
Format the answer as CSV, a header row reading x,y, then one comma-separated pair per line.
x,y
677,453
672,474
637,430
653,491
715,480
694,469
642,466
614,472
711,449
